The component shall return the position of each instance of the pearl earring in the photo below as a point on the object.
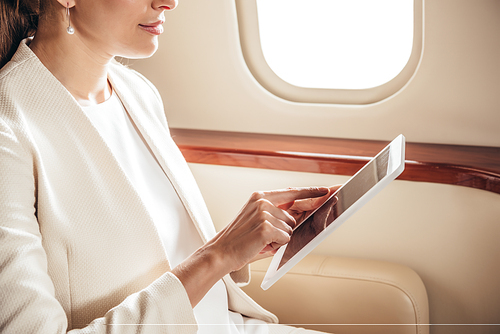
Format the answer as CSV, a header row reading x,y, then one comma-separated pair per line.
x,y
70,29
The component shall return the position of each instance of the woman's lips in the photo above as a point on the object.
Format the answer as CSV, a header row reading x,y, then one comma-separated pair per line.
x,y
153,28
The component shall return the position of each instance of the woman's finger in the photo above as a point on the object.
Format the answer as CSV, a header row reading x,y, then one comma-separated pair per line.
x,y
270,249
276,232
267,206
309,204
279,224
283,196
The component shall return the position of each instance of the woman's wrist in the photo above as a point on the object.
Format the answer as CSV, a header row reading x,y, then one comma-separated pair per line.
x,y
200,271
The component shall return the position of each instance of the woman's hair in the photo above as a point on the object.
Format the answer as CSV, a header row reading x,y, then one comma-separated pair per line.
x,y
18,20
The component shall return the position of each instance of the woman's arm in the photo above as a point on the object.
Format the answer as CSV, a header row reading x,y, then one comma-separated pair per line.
x,y
28,301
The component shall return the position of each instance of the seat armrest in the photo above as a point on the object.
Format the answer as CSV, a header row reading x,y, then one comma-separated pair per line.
x,y
345,296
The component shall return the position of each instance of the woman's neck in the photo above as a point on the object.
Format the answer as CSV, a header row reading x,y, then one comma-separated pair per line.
x,y
77,66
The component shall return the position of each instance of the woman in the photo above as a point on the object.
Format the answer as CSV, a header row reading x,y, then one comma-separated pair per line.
x,y
102,226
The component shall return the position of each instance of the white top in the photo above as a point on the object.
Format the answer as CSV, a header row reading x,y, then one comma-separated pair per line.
x,y
177,232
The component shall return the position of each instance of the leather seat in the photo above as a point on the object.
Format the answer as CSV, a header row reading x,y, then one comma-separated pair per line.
x,y
345,296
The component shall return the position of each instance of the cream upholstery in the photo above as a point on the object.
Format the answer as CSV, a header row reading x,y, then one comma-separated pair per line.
x,y
346,296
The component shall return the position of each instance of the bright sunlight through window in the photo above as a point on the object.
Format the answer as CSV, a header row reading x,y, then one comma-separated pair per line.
x,y
339,44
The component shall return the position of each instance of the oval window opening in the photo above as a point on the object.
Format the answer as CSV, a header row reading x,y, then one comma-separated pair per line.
x,y
336,44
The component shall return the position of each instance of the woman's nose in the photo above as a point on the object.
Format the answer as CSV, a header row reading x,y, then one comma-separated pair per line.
x,y
165,4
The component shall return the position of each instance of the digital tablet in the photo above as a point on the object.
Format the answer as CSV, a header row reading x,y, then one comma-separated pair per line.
x,y
341,205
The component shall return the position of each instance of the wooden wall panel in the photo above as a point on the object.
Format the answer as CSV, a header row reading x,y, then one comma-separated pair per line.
x,y
469,166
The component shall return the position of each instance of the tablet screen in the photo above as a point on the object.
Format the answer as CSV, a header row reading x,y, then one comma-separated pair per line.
x,y
370,175
349,198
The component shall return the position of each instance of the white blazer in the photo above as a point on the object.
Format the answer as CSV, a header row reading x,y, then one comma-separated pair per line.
x,y
78,249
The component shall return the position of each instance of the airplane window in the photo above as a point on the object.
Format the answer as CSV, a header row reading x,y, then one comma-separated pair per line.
x,y
331,51
342,44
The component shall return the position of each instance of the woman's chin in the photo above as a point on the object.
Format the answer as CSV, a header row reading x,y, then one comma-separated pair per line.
x,y
144,51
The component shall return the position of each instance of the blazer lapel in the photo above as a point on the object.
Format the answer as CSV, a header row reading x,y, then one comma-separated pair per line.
x,y
145,109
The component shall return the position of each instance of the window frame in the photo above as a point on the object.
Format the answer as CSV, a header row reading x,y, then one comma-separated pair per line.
x,y
253,55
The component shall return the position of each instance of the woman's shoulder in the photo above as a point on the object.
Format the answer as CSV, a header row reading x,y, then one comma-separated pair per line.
x,y
13,85
21,62
27,89
20,77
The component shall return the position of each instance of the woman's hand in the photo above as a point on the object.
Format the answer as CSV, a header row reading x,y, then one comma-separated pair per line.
x,y
264,224
299,209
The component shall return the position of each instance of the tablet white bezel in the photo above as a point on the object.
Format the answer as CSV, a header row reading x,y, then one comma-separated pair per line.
x,y
396,164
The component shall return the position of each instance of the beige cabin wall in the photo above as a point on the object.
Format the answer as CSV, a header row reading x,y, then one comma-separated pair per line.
x,y
452,98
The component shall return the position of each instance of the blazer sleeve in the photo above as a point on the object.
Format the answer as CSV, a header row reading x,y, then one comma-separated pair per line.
x,y
27,297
